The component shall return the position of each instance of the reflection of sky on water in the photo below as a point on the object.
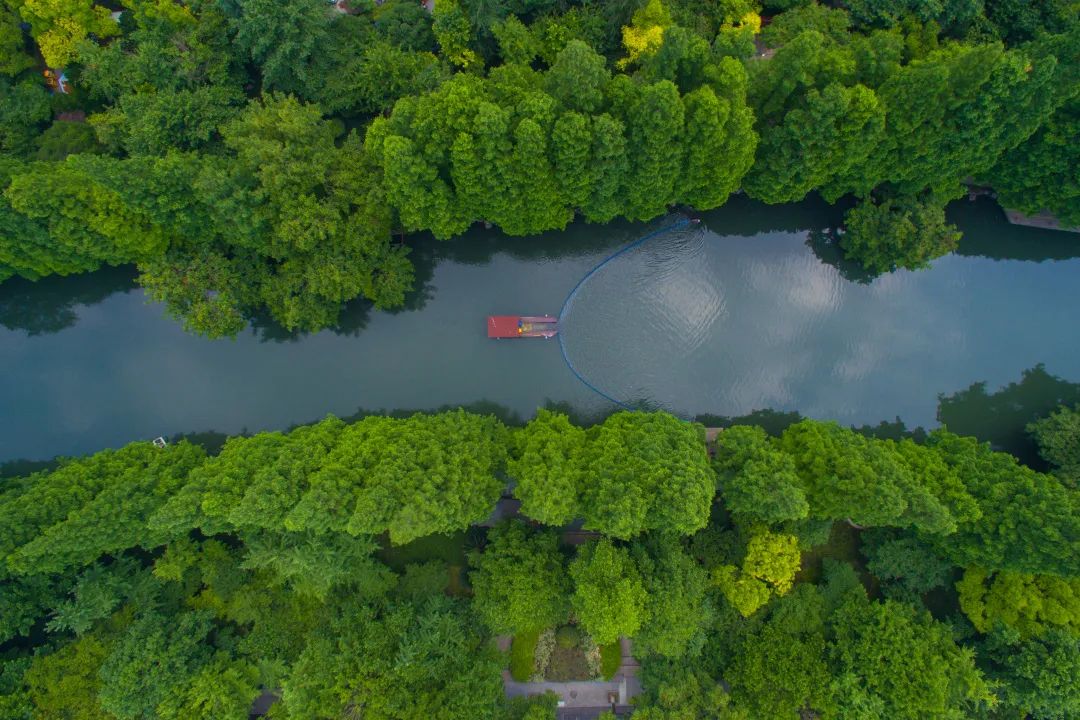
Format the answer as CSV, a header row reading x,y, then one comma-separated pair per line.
x,y
745,323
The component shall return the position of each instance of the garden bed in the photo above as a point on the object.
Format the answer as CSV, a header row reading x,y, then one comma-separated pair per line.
x,y
562,655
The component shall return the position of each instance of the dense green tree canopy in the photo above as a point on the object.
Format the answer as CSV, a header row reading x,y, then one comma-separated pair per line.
x,y
520,582
147,582
609,597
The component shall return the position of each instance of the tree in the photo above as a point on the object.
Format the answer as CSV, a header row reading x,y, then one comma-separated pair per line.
x,y
903,562
59,26
845,474
405,24
314,565
115,519
454,32
291,222
1027,521
1058,437
832,23
1036,175
252,484
768,568
65,683
97,593
96,207
13,56
677,608
519,581
24,109
645,34
47,499
897,233
281,38
517,45
609,597
1028,604
779,670
654,116
414,477
546,467
409,660
645,471
154,658
1039,675
890,657
679,691
832,133
758,481
950,115
579,78
66,138
223,689
719,141
26,248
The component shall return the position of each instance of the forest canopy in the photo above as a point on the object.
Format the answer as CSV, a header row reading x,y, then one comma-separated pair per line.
x,y
256,158
818,572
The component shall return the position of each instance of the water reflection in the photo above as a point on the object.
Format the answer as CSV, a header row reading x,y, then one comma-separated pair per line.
x,y
51,304
1001,417
696,320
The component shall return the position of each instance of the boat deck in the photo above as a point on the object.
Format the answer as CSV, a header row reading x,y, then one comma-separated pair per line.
x,y
512,326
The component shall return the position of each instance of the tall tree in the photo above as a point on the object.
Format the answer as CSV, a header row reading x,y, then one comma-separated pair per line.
x,y
519,581
609,597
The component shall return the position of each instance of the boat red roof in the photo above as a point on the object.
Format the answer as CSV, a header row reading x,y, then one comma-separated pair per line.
x,y
501,326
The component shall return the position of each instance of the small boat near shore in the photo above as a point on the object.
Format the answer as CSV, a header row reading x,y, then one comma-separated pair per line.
x,y
512,326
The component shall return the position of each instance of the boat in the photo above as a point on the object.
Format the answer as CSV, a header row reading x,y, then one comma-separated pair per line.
x,y
512,326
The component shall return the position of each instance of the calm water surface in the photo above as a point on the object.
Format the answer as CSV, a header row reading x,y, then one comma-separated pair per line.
x,y
753,313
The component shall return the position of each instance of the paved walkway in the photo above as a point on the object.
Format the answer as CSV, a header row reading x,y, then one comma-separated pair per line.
x,y
578,694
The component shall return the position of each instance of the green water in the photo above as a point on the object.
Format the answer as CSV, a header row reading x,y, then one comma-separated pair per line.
x,y
88,363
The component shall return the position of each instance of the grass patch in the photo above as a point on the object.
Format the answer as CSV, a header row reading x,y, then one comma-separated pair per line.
x,y
522,654
448,548
610,660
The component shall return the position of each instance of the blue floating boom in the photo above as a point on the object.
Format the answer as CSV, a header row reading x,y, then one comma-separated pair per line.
x,y
570,298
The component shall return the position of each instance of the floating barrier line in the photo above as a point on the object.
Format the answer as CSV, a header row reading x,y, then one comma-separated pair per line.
x,y
569,299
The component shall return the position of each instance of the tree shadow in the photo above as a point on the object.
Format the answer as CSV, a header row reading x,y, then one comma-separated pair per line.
x,y
774,422
1001,417
51,304
989,234
825,244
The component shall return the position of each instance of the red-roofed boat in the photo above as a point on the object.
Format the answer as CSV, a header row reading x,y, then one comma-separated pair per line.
x,y
512,326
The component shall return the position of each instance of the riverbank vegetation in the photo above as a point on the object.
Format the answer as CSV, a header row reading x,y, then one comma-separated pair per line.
x,y
254,157
816,572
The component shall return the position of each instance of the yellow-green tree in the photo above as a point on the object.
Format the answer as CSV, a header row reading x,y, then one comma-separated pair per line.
x,y
59,26
1030,604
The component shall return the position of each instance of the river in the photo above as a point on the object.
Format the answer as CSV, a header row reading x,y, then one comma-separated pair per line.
x,y
89,363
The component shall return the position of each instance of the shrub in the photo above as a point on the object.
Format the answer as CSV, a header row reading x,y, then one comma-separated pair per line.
x,y
522,655
610,660
545,645
567,636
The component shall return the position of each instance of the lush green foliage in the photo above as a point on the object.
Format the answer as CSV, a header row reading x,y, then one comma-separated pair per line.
x,y
215,154
632,473
162,583
520,581
609,597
